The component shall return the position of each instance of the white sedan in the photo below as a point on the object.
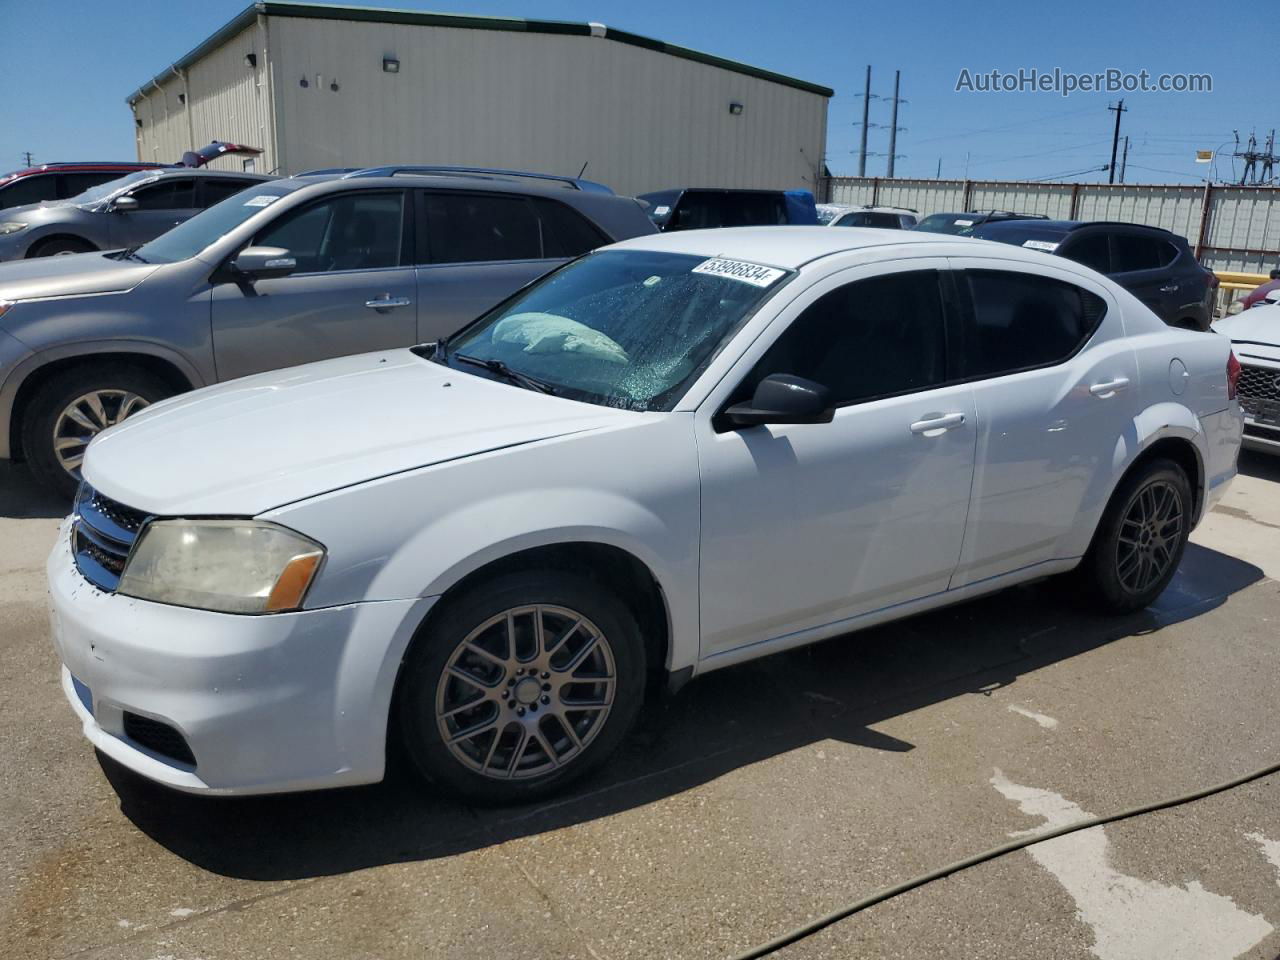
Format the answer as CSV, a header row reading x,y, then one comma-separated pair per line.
x,y
673,455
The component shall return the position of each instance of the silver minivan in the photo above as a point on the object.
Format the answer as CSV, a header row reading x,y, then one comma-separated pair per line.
x,y
286,272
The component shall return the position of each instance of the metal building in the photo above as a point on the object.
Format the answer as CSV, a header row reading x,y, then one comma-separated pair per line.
x,y
329,86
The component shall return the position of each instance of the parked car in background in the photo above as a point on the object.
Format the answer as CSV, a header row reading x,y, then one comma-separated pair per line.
x,y
1255,337
1155,265
60,181
677,454
962,224
286,272
1257,295
700,208
892,218
126,212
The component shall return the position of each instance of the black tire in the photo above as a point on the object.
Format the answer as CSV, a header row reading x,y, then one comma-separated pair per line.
x,y
1114,570
58,393
422,686
58,246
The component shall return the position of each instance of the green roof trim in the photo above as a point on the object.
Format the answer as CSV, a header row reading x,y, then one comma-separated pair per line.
x,y
322,11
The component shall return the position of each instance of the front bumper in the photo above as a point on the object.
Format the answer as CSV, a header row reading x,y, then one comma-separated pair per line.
x,y
266,704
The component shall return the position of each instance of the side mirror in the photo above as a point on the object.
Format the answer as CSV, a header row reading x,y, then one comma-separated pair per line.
x,y
264,263
124,205
782,398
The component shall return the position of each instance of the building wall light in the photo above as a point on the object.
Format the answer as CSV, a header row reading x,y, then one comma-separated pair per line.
x,y
390,65
250,60
735,108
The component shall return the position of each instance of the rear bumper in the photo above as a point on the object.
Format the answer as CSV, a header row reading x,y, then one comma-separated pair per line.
x,y
266,704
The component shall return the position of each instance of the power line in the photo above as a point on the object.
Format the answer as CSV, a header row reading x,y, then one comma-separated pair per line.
x,y
1005,126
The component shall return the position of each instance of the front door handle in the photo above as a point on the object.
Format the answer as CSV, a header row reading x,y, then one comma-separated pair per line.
x,y
387,302
1110,388
936,426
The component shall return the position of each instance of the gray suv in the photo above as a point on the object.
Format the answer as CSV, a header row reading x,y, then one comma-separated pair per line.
x,y
124,212
284,273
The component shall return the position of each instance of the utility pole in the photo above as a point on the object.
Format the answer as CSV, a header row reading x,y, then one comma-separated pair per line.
x,y
893,122
866,116
1115,141
1124,159
938,175
26,156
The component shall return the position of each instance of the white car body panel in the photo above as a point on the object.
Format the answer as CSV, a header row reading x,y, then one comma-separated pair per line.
x,y
1255,335
414,475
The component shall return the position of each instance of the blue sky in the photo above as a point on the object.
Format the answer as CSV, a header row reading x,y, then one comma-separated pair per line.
x,y
70,64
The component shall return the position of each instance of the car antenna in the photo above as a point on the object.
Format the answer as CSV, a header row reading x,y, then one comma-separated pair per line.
x,y
582,171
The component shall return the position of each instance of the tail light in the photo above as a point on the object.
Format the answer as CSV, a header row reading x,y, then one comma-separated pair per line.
x,y
1233,375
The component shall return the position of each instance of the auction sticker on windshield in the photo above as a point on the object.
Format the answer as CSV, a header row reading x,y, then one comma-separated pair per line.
x,y
1045,245
752,273
262,200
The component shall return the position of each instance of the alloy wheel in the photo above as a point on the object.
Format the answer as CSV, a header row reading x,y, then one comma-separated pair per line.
x,y
526,692
87,416
1149,535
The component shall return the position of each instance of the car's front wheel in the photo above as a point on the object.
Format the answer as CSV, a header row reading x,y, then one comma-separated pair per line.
x,y
1141,538
61,247
73,407
521,685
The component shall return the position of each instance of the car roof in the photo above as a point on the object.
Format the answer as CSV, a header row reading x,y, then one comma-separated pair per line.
x,y
204,173
126,166
1061,226
452,182
793,247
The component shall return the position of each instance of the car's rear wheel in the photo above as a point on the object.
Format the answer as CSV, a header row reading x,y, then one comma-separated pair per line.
x,y
1141,538
520,686
61,246
73,407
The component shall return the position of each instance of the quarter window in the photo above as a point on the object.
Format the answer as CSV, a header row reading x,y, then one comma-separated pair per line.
x,y
872,338
357,231
1023,320
1142,253
217,190
565,232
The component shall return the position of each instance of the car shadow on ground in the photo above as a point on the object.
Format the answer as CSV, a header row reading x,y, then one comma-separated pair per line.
x,y
22,497
839,689
1264,466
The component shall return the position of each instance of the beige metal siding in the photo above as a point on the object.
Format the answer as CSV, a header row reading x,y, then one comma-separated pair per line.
x,y
226,100
641,119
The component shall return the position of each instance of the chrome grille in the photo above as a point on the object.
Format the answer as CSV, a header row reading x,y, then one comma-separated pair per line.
x,y
102,536
1259,391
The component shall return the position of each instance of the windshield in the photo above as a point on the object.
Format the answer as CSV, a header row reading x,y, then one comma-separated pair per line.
x,y
621,328
189,238
104,190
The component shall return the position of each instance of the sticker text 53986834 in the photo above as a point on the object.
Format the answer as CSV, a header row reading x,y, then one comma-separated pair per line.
x,y
752,273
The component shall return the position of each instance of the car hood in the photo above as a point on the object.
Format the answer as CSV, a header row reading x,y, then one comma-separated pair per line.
x,y
246,446
70,276
1255,332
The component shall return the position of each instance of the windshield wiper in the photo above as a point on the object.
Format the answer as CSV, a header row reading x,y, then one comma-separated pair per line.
x,y
508,374
132,254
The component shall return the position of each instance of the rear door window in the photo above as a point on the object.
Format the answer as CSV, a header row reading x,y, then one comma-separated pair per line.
x,y
1023,320
31,189
1093,250
478,228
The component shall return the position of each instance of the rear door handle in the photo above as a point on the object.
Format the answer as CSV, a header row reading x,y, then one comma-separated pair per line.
x,y
1169,288
1110,388
936,426
386,303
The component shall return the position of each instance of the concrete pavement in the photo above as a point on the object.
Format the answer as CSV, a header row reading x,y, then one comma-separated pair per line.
x,y
760,797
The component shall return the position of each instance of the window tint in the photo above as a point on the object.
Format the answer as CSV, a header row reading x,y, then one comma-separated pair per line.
x,y
1142,253
699,210
871,338
477,227
216,190
865,218
565,232
1022,320
73,184
1093,250
27,190
357,231
171,193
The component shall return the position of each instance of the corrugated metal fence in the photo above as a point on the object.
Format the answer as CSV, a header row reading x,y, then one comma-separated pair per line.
x,y
1231,228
